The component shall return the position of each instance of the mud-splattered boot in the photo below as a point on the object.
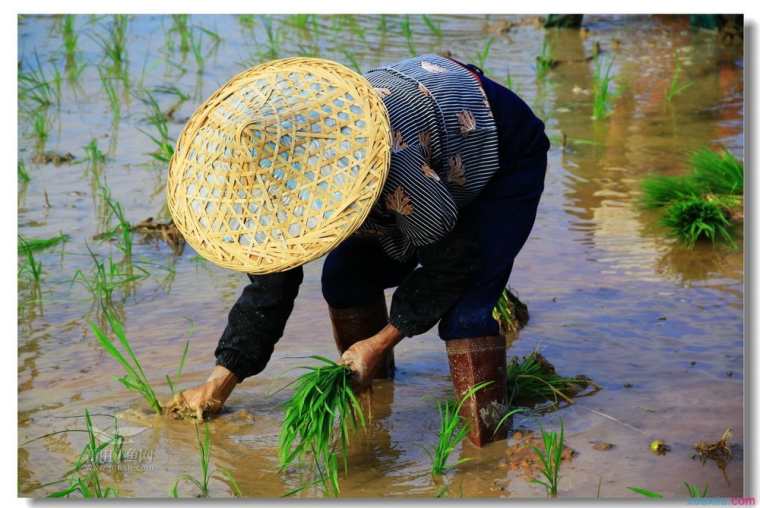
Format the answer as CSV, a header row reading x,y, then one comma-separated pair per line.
x,y
353,324
472,361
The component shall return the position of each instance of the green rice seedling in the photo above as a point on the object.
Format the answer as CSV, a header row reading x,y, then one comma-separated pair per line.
x,y
113,96
38,244
30,267
93,156
181,366
135,379
300,21
123,230
114,46
510,312
509,83
181,26
453,430
196,44
551,459
41,129
532,380
406,31
181,98
694,490
544,61
382,24
322,404
482,55
717,172
23,175
89,484
224,475
156,118
646,493
433,26
676,86
696,218
601,88
70,38
349,20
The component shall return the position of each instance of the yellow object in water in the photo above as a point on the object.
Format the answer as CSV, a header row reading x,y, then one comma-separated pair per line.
x,y
659,447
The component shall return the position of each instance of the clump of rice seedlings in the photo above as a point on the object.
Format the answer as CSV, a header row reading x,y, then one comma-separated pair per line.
x,y
544,61
703,204
406,31
273,39
510,312
300,21
135,379
453,430
533,380
37,244
23,175
114,45
248,21
181,366
676,86
322,405
164,145
433,26
382,24
696,218
694,490
353,25
89,484
482,55
105,279
551,459
224,475
30,267
602,78
35,88
113,96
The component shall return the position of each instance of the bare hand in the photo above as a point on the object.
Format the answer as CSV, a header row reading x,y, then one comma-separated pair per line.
x,y
364,357
207,398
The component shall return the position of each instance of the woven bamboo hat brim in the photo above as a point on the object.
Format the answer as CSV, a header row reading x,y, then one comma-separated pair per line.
x,y
279,165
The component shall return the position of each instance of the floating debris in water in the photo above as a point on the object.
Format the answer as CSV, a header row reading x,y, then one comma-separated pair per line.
x,y
167,232
719,451
659,447
601,446
54,158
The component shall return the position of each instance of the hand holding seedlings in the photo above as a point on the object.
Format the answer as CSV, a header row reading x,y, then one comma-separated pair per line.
x,y
365,356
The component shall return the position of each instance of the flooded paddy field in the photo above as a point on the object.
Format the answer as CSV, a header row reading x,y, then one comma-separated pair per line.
x,y
657,325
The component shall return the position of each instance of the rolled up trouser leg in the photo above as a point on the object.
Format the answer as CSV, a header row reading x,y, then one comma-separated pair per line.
x,y
472,361
352,324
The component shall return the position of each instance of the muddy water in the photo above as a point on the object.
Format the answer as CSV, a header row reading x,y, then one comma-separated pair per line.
x,y
659,327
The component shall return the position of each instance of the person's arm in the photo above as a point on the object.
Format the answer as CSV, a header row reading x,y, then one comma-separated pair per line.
x,y
254,325
257,321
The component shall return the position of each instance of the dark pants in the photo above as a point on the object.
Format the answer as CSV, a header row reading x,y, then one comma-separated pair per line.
x,y
357,271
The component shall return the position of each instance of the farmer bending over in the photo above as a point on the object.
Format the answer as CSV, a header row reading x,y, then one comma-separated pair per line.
x,y
424,175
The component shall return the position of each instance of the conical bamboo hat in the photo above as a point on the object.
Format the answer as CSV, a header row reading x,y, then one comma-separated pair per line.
x,y
279,165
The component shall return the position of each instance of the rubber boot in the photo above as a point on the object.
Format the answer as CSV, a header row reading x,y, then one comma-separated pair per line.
x,y
472,361
353,324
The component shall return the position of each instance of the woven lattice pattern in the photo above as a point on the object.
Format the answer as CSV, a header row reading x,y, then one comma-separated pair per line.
x,y
279,165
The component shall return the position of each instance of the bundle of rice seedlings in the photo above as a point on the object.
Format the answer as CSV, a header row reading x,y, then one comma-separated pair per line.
x,y
533,380
704,204
697,218
317,421
510,313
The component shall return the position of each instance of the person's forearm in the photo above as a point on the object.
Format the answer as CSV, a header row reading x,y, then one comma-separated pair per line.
x,y
446,271
257,321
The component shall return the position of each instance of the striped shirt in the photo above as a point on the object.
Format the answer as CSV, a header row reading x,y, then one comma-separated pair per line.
x,y
445,150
